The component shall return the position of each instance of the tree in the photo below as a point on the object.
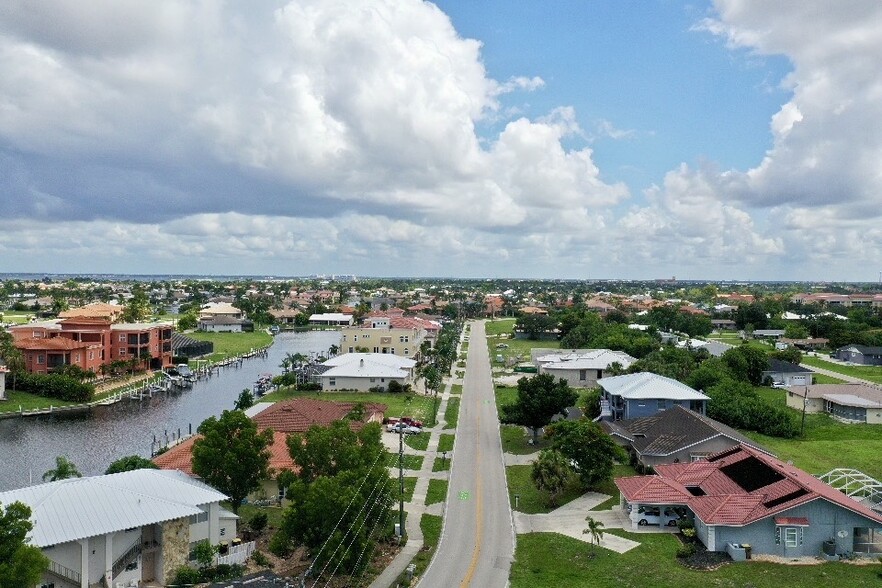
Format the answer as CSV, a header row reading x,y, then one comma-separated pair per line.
x,y
204,553
129,463
551,472
341,497
63,470
539,399
138,307
232,455
187,321
595,529
245,400
747,362
588,447
21,565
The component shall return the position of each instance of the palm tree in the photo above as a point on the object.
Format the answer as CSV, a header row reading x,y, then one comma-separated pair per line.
x,y
333,350
286,364
64,469
595,529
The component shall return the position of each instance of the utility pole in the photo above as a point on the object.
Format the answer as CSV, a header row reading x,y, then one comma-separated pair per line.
x,y
804,403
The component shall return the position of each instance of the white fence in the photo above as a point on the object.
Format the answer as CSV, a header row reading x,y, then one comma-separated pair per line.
x,y
236,554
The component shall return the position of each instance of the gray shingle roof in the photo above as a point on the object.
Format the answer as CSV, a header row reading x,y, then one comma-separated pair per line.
x,y
675,429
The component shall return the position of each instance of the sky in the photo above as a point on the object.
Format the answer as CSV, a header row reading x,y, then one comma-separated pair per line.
x,y
587,139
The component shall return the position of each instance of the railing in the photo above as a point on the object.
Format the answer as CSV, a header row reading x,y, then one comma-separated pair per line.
x,y
237,554
126,558
64,572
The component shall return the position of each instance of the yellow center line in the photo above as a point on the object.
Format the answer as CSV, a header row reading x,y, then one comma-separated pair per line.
x,y
478,509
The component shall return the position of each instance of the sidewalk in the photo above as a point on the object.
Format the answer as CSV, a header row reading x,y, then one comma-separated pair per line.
x,y
417,505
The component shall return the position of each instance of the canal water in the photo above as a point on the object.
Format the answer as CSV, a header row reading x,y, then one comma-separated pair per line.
x,y
92,440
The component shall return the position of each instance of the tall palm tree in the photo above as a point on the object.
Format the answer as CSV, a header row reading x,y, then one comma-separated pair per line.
x,y
64,469
595,529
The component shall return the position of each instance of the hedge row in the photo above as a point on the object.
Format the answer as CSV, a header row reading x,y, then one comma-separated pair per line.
x,y
55,386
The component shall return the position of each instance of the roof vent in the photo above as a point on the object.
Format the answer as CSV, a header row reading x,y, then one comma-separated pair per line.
x,y
361,362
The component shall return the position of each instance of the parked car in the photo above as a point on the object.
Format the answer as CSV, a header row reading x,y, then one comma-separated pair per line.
x,y
653,515
779,385
402,427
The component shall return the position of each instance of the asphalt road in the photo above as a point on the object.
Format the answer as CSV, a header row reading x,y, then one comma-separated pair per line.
x,y
477,542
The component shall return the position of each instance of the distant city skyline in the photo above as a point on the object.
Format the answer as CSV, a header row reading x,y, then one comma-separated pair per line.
x,y
712,140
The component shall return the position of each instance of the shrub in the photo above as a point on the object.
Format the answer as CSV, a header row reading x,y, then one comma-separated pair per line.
x,y
261,560
56,386
280,545
689,533
687,550
186,575
395,387
258,522
309,387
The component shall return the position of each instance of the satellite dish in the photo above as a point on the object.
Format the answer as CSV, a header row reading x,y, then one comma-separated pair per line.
x,y
842,534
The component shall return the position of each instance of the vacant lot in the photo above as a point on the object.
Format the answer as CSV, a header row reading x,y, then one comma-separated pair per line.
x,y
418,407
871,373
531,500
826,443
549,560
232,344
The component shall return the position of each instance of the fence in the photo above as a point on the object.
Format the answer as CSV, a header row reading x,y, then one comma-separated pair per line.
x,y
236,554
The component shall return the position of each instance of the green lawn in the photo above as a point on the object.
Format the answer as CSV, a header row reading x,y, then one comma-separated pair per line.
x,y
505,395
456,389
609,487
412,405
419,442
28,401
18,318
549,560
409,485
499,327
531,500
441,464
230,344
871,373
515,440
451,414
445,443
274,514
437,492
825,379
431,527
826,443
411,462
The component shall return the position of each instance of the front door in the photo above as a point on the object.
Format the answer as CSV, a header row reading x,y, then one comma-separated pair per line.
x,y
791,542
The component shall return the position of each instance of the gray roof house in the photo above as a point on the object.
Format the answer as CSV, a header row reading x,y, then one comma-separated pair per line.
x,y
744,496
583,369
644,394
787,373
861,354
675,435
363,371
136,526
850,403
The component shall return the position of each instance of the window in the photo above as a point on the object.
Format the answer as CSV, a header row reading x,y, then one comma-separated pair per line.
x,y
91,355
583,374
373,380
662,404
867,540
77,357
355,337
122,351
41,359
122,338
406,351
791,537
332,381
344,337
202,517
351,349
376,349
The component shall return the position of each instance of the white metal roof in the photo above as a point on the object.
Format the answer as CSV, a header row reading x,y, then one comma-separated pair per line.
x,y
257,408
646,385
68,510
388,359
596,359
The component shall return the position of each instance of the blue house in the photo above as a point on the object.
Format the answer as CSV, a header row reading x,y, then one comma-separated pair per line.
x,y
744,496
644,394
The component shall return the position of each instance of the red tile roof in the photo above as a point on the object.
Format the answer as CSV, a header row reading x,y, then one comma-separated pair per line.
x,y
180,457
52,344
724,501
297,415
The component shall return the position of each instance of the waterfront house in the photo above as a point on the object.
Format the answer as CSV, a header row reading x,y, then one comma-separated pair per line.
x,y
644,394
744,496
137,526
333,319
389,333
363,371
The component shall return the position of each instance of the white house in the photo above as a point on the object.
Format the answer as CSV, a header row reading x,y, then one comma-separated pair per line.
x,y
331,318
583,369
363,371
136,526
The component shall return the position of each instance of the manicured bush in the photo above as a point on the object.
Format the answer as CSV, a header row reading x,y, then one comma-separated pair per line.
x,y
686,550
56,386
